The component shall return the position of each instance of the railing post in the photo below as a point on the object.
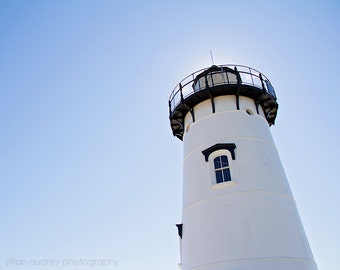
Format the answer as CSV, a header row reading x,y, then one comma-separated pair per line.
x,y
263,87
239,82
170,111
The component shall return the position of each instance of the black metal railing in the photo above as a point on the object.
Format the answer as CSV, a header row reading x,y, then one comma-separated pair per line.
x,y
219,76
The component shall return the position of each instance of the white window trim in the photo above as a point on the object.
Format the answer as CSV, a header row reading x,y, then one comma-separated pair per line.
x,y
212,156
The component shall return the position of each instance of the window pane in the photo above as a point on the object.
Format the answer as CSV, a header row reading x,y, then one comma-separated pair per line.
x,y
219,177
217,163
219,78
226,175
209,80
224,161
246,78
199,84
257,81
232,78
270,88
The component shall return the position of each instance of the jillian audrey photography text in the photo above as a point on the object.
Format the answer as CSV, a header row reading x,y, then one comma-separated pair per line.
x,y
61,262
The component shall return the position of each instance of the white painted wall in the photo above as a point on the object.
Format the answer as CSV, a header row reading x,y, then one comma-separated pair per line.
x,y
252,222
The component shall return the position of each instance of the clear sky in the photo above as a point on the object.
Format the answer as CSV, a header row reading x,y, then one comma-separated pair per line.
x,y
89,168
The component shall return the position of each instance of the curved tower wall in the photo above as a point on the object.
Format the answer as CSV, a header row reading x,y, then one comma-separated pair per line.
x,y
248,218
252,221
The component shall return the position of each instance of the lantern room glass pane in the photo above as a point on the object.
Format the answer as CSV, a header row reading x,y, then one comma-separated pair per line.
x,y
257,81
232,78
246,78
209,80
219,78
199,84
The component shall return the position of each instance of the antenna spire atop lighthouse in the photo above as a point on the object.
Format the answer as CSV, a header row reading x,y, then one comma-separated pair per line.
x,y
212,58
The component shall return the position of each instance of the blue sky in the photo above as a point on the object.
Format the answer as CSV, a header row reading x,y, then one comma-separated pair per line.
x,y
89,168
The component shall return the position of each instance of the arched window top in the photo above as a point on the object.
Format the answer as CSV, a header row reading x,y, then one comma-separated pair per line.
x,y
219,146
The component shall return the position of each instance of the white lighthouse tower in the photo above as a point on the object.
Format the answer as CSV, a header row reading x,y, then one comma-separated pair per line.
x,y
238,209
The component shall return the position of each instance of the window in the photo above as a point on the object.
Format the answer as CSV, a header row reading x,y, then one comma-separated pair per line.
x,y
220,157
221,169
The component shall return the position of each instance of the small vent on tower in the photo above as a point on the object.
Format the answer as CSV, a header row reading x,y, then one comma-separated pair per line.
x,y
249,111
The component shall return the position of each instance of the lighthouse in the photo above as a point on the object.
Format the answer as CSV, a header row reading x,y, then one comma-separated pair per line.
x,y
238,210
